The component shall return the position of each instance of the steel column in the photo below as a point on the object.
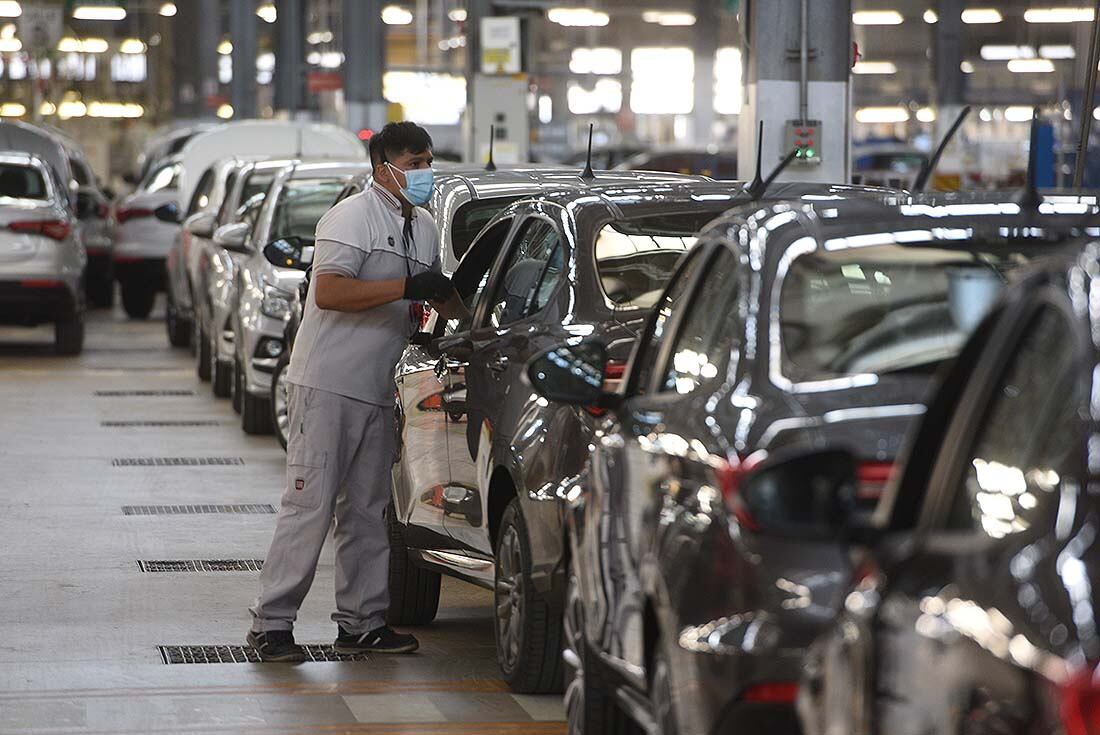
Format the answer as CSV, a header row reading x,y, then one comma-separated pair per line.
x,y
364,63
242,33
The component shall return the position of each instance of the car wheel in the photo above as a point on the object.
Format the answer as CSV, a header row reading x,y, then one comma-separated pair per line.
x,y
100,292
414,591
255,414
202,353
68,335
221,375
280,411
528,636
660,694
138,298
179,329
590,709
238,385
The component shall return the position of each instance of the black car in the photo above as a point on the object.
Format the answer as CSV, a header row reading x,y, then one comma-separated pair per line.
x,y
800,324
971,598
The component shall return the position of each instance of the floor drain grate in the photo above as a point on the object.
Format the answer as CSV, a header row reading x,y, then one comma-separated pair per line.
x,y
176,461
142,393
201,565
156,424
243,654
172,510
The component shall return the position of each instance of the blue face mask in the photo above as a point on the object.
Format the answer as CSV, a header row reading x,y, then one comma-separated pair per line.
x,y
418,185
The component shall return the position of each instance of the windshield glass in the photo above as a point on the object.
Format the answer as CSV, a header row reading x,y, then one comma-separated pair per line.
x,y
887,308
165,178
471,218
301,204
21,182
636,257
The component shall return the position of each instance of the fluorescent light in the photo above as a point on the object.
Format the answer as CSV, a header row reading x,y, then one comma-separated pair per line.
x,y
8,31
395,15
458,15
600,60
1059,51
47,108
877,18
267,13
132,46
581,17
967,67
225,111
168,10
72,45
319,37
872,115
99,12
71,109
115,110
875,67
979,16
1019,113
13,109
225,48
1059,15
10,45
926,115
10,9
1031,66
668,18
930,16
995,52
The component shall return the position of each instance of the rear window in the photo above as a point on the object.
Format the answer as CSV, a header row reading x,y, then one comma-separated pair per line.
x,y
471,218
887,308
636,257
21,182
301,205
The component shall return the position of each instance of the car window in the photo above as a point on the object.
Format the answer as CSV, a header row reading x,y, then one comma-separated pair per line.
x,y
81,174
250,211
649,349
165,178
472,275
1024,448
257,182
530,274
300,206
201,198
21,182
636,257
470,218
706,337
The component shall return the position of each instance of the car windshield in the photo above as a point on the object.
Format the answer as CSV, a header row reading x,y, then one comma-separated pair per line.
x,y
471,218
301,204
21,182
165,178
887,308
636,257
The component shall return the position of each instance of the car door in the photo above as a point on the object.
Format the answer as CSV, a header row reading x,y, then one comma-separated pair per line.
x,y
516,320
609,572
991,585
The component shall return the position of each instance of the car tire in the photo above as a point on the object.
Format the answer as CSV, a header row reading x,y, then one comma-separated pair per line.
x,y
100,292
68,335
280,407
255,414
221,375
528,635
590,707
238,386
414,591
179,329
202,354
660,695
138,299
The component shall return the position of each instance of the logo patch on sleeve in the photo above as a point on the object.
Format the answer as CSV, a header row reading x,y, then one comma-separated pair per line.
x,y
300,483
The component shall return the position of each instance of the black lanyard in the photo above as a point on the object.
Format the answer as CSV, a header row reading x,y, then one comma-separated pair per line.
x,y
408,241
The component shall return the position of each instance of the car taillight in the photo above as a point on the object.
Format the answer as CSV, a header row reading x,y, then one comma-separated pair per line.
x,y
729,481
873,477
1079,704
772,692
54,229
125,214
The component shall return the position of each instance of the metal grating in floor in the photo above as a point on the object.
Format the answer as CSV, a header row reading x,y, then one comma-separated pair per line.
x,y
243,654
200,565
176,461
170,510
157,424
142,393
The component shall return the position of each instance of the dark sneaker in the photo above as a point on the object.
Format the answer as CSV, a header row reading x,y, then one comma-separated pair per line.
x,y
379,640
276,646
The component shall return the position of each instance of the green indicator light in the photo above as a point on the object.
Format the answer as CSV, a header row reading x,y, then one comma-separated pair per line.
x,y
809,153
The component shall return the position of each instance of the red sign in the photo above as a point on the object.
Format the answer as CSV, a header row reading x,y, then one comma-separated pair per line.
x,y
324,81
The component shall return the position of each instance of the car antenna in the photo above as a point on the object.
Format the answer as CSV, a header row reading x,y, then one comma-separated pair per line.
x,y
1031,199
759,185
490,166
587,174
930,165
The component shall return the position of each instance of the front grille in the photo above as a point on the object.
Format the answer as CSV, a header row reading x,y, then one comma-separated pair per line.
x,y
169,510
176,461
200,565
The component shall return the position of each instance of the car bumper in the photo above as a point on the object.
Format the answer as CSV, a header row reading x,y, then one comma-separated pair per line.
x,y
144,240
32,301
258,330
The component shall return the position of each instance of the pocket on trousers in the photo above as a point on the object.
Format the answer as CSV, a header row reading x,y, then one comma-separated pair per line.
x,y
305,479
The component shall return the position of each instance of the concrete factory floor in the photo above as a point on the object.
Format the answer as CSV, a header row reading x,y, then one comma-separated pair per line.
x,y
83,625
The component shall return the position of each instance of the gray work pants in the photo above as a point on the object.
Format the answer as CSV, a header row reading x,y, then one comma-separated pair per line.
x,y
338,464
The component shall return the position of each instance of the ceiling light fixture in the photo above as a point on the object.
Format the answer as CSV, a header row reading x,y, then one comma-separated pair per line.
x,y
458,15
1058,51
267,13
926,115
99,12
668,18
1059,15
875,67
1031,66
877,18
168,10
981,16
967,67
1019,113
13,109
578,17
930,16
395,15
225,48
874,115
10,9
995,52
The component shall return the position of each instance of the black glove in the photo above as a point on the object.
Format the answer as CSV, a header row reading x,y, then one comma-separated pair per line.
x,y
428,286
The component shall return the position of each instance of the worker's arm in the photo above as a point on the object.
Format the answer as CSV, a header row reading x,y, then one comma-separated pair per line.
x,y
340,293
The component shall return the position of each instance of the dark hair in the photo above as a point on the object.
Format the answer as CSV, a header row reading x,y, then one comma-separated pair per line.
x,y
397,138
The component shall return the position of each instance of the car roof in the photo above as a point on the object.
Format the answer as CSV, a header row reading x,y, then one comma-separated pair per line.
x,y
304,169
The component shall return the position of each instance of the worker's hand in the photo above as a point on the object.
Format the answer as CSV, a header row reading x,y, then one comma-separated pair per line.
x,y
428,286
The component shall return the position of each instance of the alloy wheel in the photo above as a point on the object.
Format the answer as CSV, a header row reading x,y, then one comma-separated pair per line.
x,y
572,653
509,598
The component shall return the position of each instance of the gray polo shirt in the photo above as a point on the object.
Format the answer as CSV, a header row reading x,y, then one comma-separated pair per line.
x,y
354,355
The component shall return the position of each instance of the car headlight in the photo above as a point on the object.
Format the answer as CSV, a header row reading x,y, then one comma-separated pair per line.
x,y
276,303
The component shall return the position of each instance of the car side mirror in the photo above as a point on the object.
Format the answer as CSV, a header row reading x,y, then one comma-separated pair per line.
x,y
573,374
233,237
201,224
290,252
804,496
169,212
85,205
